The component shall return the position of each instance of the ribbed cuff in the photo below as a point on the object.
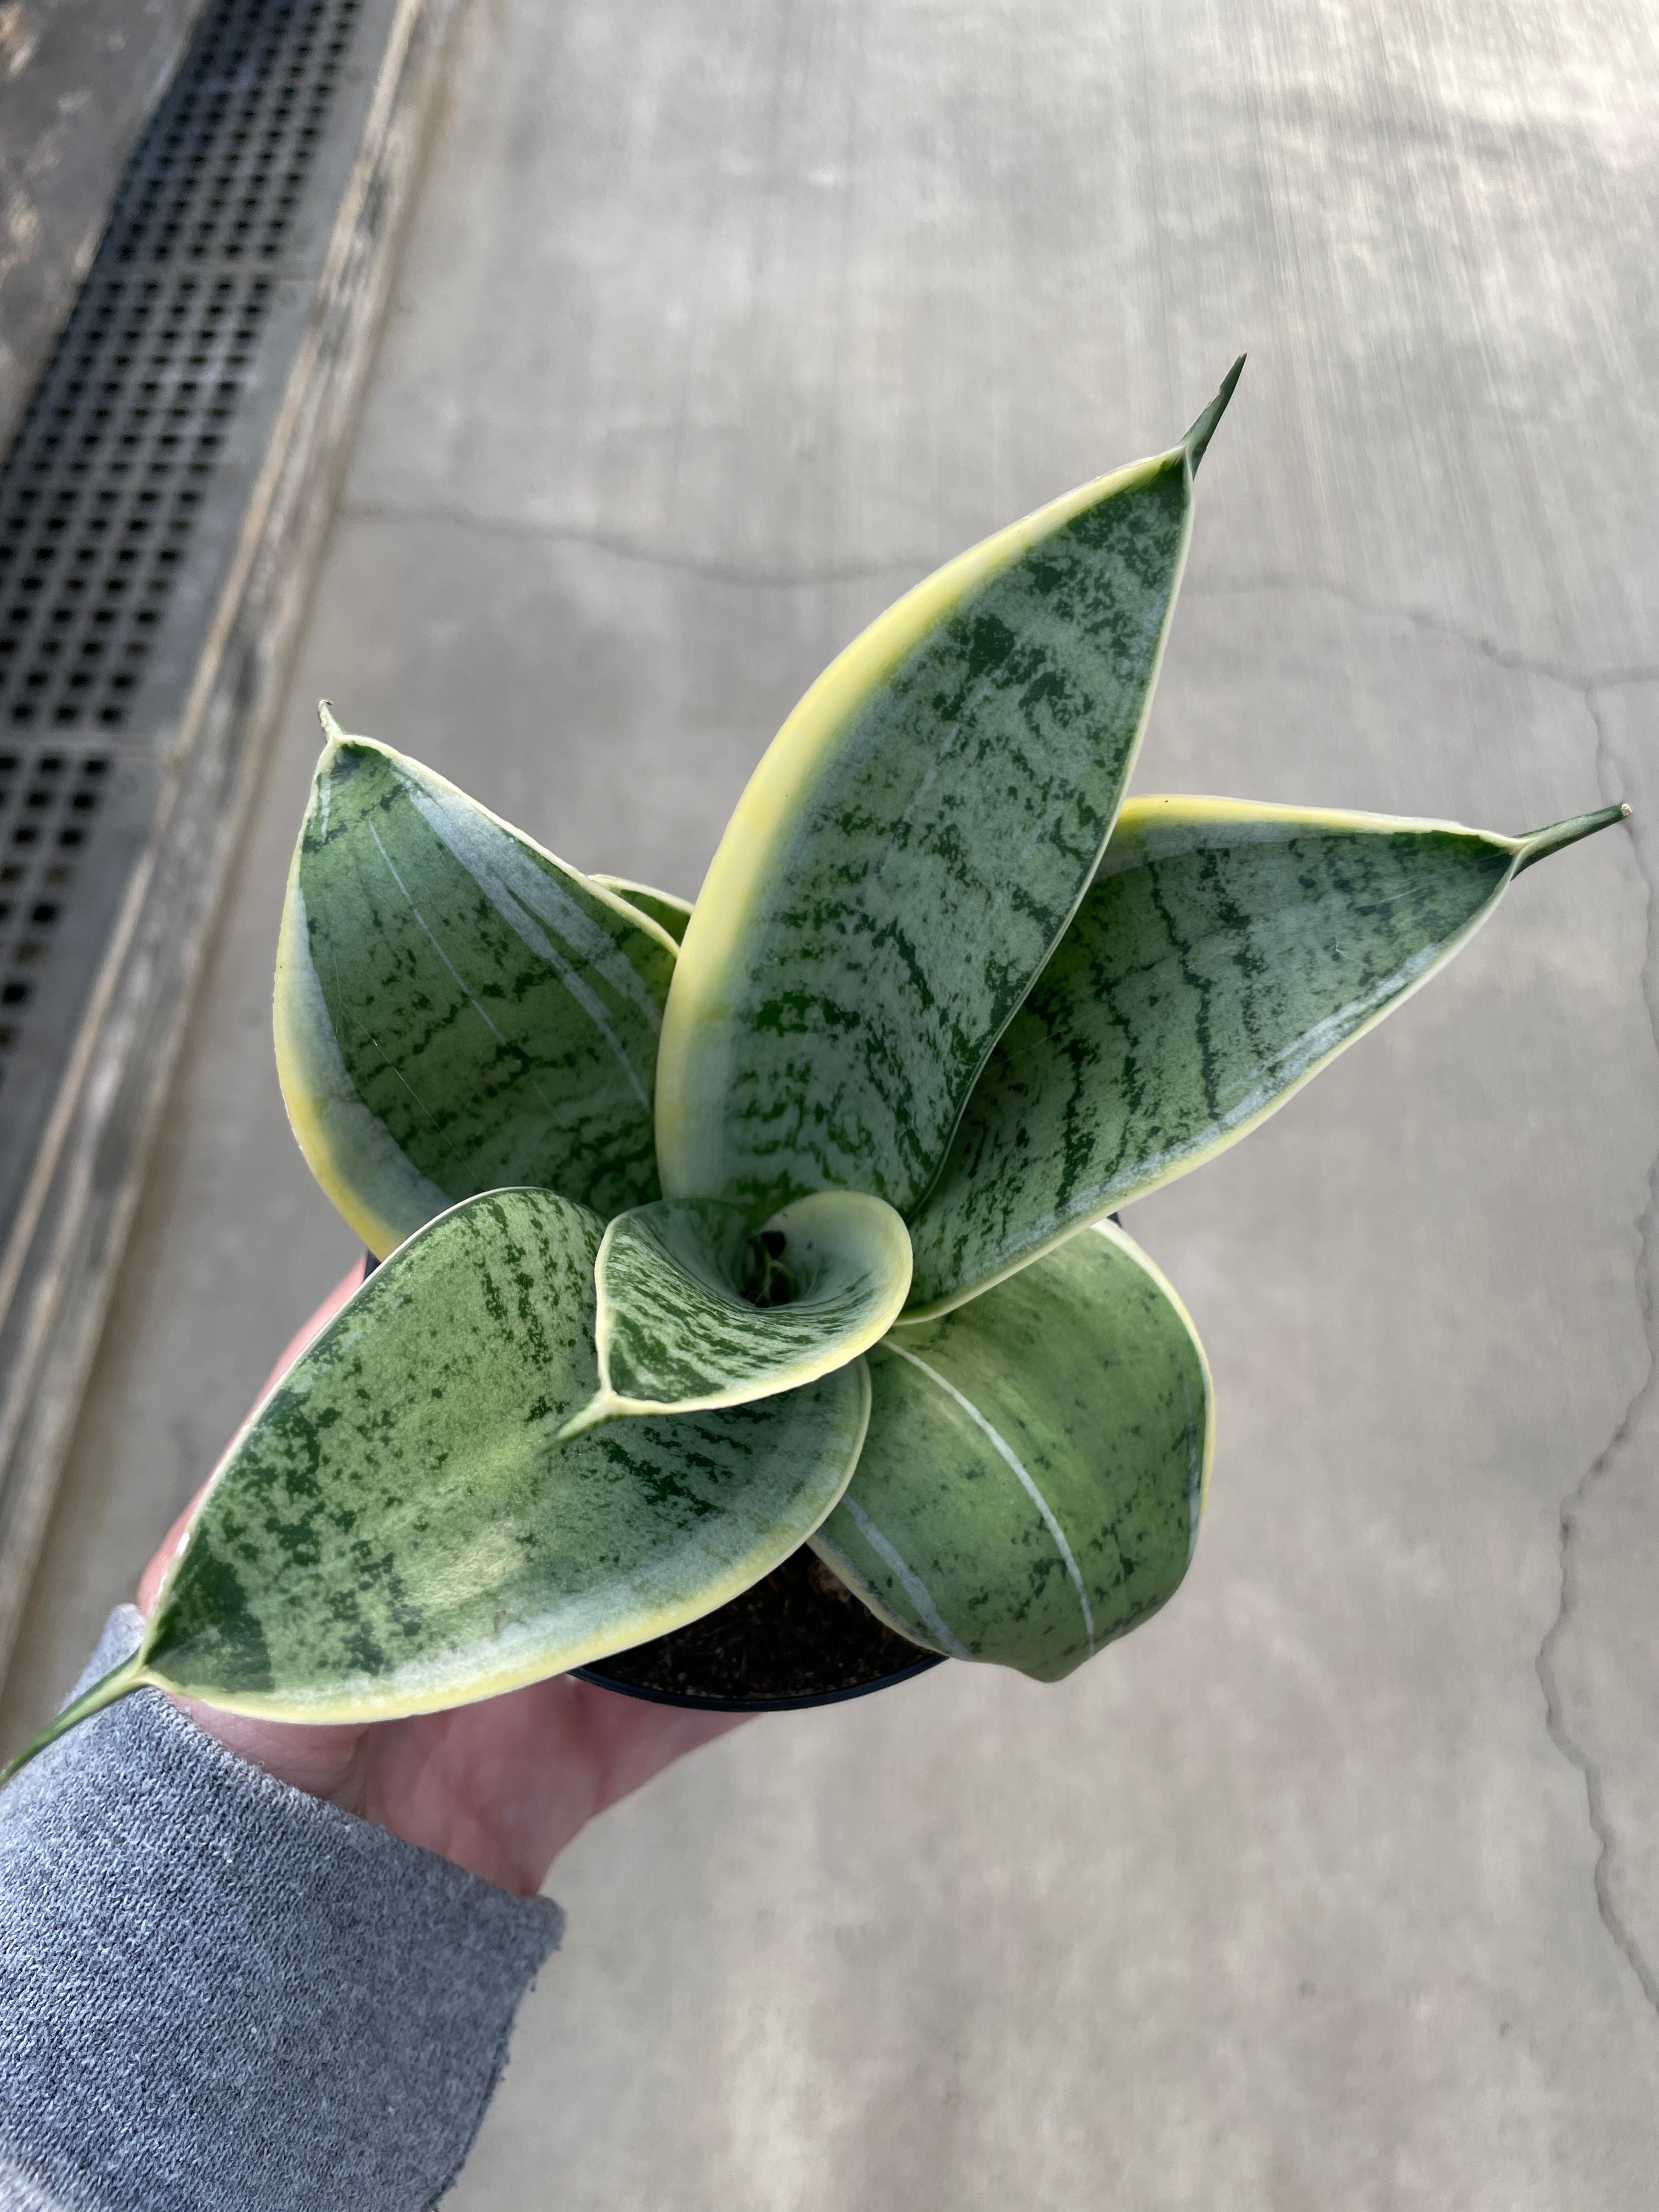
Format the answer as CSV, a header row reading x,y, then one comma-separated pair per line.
x,y
217,1992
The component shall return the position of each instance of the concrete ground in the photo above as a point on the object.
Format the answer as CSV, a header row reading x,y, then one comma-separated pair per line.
x,y
1339,1883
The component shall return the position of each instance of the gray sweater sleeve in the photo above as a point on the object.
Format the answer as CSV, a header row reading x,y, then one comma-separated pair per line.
x,y
218,1994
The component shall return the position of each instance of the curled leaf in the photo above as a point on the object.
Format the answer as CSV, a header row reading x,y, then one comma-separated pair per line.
x,y
398,1527
1032,1480
695,1310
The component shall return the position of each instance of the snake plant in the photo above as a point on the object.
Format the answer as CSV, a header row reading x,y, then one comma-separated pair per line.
x,y
784,1218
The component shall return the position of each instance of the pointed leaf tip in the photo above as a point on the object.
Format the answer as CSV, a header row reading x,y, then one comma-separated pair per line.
x,y
1237,949
119,1682
1557,835
330,726
906,808
1203,430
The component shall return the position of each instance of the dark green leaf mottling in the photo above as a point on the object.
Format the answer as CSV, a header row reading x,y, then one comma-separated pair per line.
x,y
1212,966
492,1012
919,885
399,1524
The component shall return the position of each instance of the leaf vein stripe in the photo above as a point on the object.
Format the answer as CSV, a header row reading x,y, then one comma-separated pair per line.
x,y
427,932
914,1587
526,926
1006,1452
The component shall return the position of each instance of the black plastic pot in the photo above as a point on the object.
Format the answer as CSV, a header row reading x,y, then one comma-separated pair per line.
x,y
924,1661
796,1638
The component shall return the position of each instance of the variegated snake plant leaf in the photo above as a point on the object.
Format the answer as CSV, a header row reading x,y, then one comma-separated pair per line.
x,y
1035,1467
696,1309
457,1010
1225,953
399,1526
909,850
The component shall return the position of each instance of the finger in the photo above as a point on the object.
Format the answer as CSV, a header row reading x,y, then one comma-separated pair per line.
x,y
150,1581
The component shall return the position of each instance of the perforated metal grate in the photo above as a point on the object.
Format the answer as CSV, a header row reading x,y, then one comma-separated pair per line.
x,y
116,456
161,509
48,800
111,463
222,169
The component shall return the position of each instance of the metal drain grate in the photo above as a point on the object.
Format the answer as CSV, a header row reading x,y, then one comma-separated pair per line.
x,y
161,508
103,486
115,455
222,171
47,802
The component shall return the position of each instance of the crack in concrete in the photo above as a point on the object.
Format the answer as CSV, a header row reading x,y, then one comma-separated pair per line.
x,y
629,549
1581,680
921,564
1647,1250
1554,1712
1588,688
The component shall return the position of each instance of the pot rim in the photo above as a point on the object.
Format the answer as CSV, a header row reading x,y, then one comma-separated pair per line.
x,y
688,1701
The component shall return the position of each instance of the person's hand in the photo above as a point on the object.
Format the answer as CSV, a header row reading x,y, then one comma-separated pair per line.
x,y
500,1787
